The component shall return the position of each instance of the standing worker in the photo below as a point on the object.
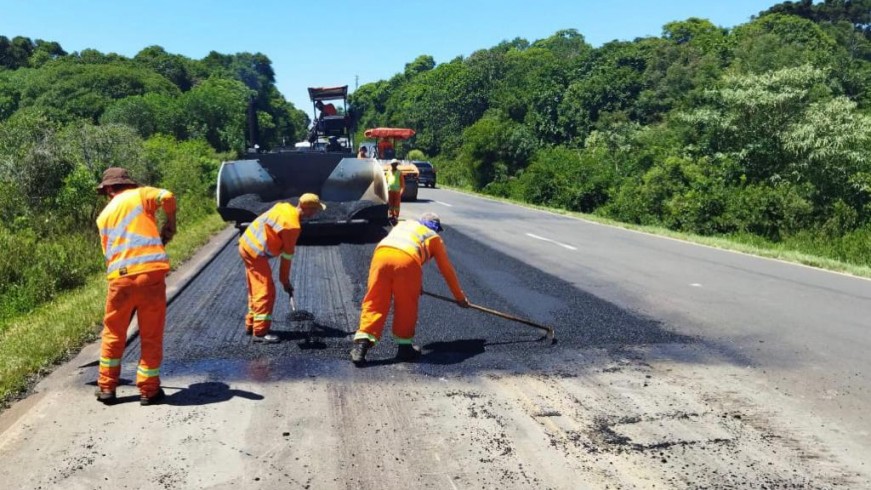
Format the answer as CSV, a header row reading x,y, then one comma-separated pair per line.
x,y
396,272
395,188
362,152
273,233
136,265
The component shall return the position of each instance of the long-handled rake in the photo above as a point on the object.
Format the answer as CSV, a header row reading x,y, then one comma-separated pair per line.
x,y
549,333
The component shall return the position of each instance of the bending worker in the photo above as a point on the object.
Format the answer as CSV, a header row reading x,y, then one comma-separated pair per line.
x,y
136,266
396,272
395,188
273,233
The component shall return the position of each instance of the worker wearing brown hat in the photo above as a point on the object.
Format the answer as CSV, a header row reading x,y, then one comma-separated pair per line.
x,y
395,188
397,272
273,233
137,264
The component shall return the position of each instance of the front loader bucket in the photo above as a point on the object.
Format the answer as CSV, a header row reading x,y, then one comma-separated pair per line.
x,y
354,190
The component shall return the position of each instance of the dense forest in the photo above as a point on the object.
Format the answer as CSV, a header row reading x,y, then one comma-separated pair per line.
x,y
66,117
760,133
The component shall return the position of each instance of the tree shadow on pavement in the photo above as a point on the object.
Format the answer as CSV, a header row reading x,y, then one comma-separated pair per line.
x,y
207,393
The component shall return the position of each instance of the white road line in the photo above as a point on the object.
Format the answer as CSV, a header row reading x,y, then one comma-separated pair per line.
x,y
696,285
563,245
444,204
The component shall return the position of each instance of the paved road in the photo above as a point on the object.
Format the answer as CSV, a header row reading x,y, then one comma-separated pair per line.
x,y
807,330
675,368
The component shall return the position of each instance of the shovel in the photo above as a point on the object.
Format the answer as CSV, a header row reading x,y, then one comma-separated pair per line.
x,y
549,333
302,317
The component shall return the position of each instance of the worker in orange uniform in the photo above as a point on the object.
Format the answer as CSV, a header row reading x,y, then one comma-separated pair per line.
x,y
395,188
326,109
396,271
385,149
273,233
136,264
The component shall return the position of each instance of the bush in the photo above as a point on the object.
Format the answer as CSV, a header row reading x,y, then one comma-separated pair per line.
x,y
60,263
416,155
576,180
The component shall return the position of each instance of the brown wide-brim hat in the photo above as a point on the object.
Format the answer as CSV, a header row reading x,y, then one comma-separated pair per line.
x,y
115,176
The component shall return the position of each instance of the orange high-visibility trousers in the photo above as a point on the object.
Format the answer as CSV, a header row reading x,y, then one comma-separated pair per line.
x,y
394,199
395,274
145,295
261,293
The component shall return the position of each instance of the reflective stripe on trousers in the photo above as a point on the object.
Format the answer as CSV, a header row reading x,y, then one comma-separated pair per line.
x,y
261,292
392,274
145,295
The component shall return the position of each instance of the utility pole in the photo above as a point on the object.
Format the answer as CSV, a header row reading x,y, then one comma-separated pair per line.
x,y
356,82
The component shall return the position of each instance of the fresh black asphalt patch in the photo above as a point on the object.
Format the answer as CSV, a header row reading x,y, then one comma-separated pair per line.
x,y
205,324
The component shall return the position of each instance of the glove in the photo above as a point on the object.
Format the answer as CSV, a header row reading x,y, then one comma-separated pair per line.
x,y
166,233
464,303
288,288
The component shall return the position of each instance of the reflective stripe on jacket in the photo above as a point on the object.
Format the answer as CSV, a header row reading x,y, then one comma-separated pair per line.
x,y
128,232
412,238
263,236
423,244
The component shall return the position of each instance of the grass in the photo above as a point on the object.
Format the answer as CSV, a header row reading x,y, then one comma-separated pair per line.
x,y
748,244
32,344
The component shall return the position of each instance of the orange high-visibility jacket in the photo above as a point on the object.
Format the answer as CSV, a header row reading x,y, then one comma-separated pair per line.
x,y
274,233
128,231
422,244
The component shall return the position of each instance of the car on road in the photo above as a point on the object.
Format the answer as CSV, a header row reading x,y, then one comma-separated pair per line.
x,y
427,177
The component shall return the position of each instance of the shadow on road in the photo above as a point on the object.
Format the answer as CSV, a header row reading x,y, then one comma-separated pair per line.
x,y
309,332
196,394
452,352
207,393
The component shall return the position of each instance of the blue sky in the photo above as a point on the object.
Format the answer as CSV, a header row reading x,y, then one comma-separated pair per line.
x,y
317,43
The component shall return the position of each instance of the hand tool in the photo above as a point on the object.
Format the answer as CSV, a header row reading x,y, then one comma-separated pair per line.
x,y
549,330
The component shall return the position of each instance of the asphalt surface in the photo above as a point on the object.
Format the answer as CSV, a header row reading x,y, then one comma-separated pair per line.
x,y
806,328
205,324
675,366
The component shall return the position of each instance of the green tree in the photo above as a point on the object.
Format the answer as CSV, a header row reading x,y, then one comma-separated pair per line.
x,y
780,41
69,90
174,68
215,110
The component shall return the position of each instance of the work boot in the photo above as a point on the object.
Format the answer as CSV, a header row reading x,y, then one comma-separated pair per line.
x,y
358,353
408,353
106,397
153,399
268,338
